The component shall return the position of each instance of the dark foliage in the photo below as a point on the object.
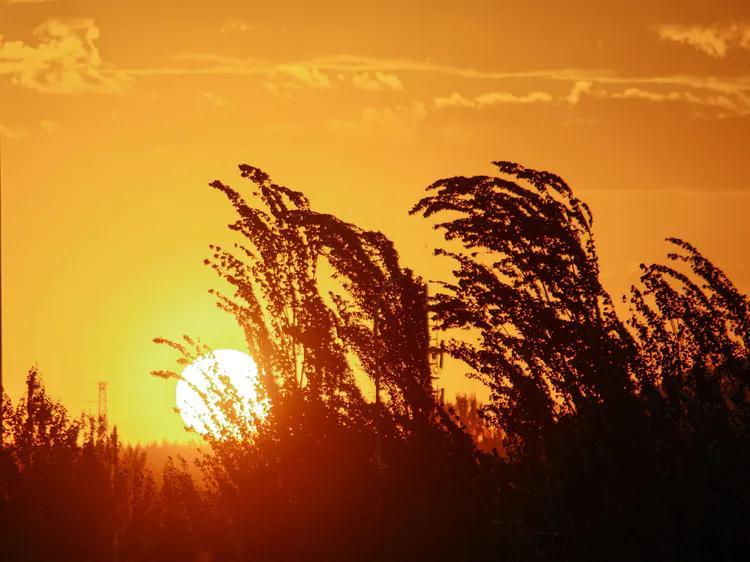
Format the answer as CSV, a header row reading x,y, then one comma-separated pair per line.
x,y
627,440
607,436
551,344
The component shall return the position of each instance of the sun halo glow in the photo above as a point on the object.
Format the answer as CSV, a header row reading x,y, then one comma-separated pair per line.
x,y
219,393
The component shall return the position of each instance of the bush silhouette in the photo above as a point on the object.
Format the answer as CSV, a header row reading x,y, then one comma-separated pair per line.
x,y
606,436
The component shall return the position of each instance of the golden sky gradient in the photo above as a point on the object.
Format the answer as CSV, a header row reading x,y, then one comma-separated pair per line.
x,y
114,117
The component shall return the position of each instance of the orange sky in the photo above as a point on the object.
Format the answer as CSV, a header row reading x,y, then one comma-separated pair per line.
x,y
114,116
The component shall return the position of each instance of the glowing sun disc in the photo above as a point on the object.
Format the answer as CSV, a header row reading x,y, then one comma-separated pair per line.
x,y
219,393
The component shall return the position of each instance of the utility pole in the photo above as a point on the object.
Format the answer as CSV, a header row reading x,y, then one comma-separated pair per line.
x,y
435,354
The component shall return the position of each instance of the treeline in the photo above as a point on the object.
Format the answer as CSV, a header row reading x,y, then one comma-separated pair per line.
x,y
69,490
605,438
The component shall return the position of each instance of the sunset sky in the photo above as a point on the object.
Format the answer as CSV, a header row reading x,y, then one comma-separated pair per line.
x,y
114,117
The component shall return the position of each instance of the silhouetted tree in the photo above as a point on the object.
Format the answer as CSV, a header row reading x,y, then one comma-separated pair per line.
x,y
603,417
617,439
693,333
56,466
304,338
70,491
325,453
527,280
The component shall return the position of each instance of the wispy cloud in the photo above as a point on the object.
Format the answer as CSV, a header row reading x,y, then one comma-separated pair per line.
x,y
237,25
350,65
305,75
204,65
354,63
31,1
377,81
725,105
714,41
49,126
490,98
12,133
393,121
578,90
286,78
66,60
482,101
214,99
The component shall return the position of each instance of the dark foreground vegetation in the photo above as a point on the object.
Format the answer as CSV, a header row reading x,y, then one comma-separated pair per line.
x,y
606,437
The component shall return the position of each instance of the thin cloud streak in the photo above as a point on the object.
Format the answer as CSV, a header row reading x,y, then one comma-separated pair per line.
x,y
491,98
726,105
356,65
729,106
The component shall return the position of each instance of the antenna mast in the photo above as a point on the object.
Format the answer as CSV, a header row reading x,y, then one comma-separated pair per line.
x,y
102,402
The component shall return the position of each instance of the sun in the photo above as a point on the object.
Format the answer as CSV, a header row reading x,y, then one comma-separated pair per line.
x,y
220,394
